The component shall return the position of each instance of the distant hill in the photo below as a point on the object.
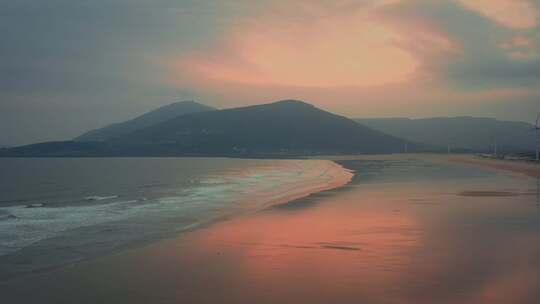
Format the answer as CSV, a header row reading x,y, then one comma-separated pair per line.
x,y
461,133
151,118
288,127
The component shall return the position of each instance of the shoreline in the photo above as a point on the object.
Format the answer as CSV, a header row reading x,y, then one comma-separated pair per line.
x,y
369,240
527,168
298,197
316,193
334,176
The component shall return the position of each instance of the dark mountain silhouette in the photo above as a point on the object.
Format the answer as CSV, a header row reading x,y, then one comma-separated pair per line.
x,y
285,127
146,120
461,133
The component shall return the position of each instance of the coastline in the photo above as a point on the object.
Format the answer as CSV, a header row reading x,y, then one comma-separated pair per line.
x,y
527,168
319,176
372,240
338,175
40,280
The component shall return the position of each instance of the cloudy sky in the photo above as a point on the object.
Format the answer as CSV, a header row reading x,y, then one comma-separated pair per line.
x,y
69,66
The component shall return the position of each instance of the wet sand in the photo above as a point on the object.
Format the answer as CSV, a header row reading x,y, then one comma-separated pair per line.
x,y
529,168
403,231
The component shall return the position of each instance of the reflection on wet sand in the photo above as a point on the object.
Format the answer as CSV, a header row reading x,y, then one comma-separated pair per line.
x,y
337,250
369,245
488,193
379,240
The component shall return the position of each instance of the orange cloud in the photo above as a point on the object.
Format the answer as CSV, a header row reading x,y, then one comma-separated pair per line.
x,y
358,58
516,14
330,45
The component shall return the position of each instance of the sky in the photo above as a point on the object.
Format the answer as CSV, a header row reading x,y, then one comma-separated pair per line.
x,y
71,66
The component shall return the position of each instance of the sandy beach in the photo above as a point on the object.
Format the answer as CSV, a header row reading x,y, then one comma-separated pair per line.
x,y
397,233
528,168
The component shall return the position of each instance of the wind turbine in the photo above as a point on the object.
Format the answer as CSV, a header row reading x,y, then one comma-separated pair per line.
x,y
536,129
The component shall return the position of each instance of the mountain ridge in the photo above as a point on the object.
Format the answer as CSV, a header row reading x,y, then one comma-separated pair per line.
x,y
283,126
147,119
286,127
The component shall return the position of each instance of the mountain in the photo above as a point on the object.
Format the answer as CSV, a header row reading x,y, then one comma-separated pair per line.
x,y
461,133
284,127
151,118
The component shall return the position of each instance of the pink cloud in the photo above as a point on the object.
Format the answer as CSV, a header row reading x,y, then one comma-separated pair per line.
x,y
328,44
358,58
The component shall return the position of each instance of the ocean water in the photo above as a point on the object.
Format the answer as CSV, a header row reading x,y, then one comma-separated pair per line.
x,y
57,211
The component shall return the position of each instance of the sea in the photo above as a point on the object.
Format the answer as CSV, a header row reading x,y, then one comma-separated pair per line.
x,y
57,211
